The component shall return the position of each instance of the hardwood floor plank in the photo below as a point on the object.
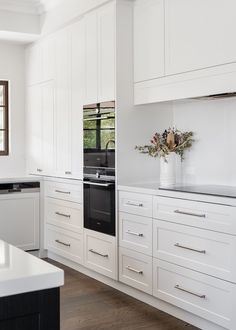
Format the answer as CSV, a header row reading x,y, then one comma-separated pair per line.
x,y
87,304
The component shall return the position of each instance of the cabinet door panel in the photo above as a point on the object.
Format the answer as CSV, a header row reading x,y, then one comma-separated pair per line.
x,y
48,127
106,53
48,58
62,103
148,39
34,129
199,34
91,59
77,91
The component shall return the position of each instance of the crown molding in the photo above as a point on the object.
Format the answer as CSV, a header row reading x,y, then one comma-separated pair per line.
x,y
35,7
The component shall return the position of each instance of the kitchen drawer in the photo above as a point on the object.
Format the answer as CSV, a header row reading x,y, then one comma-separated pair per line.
x,y
65,243
210,216
135,233
203,295
65,191
135,269
67,215
135,203
100,253
208,252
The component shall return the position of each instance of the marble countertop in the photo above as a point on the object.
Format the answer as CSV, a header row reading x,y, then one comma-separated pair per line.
x,y
21,272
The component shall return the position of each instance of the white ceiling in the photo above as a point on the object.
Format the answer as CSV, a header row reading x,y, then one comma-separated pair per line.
x,y
28,6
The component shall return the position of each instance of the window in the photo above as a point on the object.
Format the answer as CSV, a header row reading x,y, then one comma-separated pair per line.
x,y
4,129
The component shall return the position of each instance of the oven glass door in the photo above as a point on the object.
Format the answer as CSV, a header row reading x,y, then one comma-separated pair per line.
x,y
99,207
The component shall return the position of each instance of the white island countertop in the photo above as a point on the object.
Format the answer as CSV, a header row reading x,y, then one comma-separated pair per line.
x,y
20,272
150,188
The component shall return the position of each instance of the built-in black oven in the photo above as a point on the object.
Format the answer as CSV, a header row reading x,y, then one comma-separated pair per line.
x,y
99,167
99,206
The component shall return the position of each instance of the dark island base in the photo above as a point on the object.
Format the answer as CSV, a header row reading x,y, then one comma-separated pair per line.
x,y
39,310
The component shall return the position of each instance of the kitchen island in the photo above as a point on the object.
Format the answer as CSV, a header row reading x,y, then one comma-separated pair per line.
x,y
29,291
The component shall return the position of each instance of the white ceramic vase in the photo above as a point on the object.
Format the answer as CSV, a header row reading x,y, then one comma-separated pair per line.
x,y
168,170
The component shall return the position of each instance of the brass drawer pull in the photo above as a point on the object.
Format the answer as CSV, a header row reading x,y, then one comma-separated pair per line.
x,y
134,270
134,233
134,204
98,253
202,296
62,192
190,213
62,214
62,243
189,248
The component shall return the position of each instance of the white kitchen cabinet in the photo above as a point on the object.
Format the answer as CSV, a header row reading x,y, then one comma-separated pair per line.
x,y
77,92
149,40
202,295
100,253
91,59
62,103
100,55
135,269
199,34
106,22
34,129
40,128
40,60
19,220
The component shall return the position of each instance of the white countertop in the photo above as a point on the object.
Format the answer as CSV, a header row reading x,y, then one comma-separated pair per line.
x,y
21,272
29,178
150,188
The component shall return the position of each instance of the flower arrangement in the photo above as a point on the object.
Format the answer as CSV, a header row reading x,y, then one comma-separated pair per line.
x,y
171,140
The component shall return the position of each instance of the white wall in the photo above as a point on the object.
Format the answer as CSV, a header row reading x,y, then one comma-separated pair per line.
x,y
12,68
213,156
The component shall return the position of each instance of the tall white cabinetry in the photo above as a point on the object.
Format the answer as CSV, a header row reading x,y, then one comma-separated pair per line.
x,y
54,95
100,55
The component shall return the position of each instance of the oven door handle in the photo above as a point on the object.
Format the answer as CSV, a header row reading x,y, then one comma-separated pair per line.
x,y
98,184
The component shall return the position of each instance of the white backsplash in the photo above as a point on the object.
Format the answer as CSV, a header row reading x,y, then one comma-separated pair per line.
x,y
212,159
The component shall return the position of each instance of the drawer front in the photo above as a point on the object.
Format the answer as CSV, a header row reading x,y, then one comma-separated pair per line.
x,y
203,295
135,233
64,191
65,243
209,252
198,214
135,203
100,253
67,215
135,269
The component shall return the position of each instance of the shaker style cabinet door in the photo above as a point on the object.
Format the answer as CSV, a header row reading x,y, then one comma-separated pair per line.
x,y
106,53
91,59
199,34
62,103
34,130
149,40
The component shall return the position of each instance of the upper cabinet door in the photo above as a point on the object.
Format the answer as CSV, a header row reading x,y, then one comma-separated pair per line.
x,y
48,156
149,39
48,58
91,59
34,130
199,34
62,102
77,91
106,53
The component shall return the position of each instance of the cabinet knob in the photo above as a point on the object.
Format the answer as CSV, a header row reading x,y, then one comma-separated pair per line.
x,y
68,173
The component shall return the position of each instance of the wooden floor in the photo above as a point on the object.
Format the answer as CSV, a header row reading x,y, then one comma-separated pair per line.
x,y
87,304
